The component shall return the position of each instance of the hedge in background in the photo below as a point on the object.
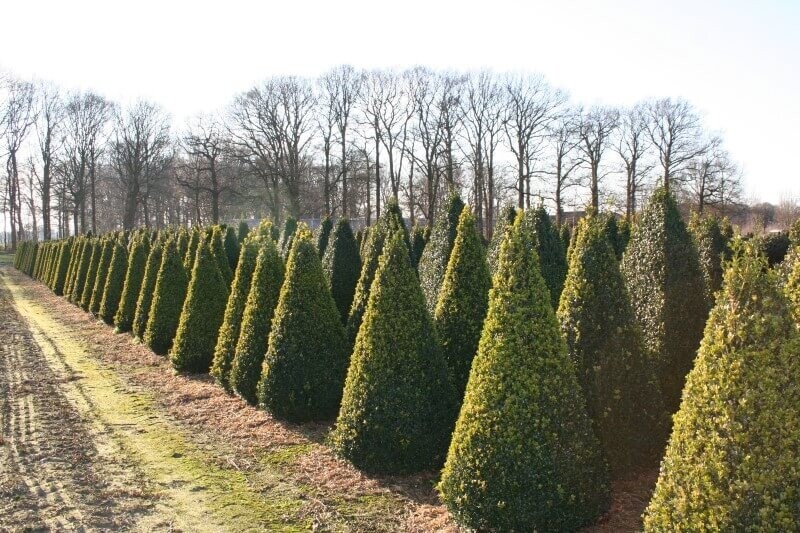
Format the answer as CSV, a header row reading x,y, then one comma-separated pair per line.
x,y
112,293
231,244
342,265
91,255
732,460
433,262
605,345
372,252
259,310
74,256
201,316
462,302
242,233
398,405
550,249
523,456
145,299
418,242
667,292
323,235
234,309
285,242
712,250
62,264
508,215
304,367
775,246
614,234
170,291
137,261
101,275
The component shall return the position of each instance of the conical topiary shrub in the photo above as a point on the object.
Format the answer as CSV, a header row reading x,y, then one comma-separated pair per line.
x,y
462,301
74,253
792,288
112,293
372,252
304,367
285,242
615,237
605,345
101,276
201,316
245,369
434,258
170,291
712,250
418,242
195,236
89,256
145,299
137,261
523,455
552,256
242,233
504,222
234,309
231,244
732,460
62,264
667,292
323,235
342,264
217,247
398,405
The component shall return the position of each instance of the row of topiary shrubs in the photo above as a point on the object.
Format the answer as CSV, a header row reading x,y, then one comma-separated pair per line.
x,y
534,375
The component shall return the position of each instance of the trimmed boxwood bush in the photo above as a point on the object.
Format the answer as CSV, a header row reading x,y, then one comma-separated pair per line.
x,y
667,292
102,275
62,264
112,293
74,255
262,298
792,288
433,262
306,359
775,246
712,249
231,244
398,405
137,261
145,299
323,235
234,309
615,237
462,301
605,345
168,296
342,265
418,242
504,222
201,316
242,233
372,252
220,252
195,236
549,248
732,460
84,269
523,455
285,242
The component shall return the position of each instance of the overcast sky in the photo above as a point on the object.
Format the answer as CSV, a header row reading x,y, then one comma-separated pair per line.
x,y
736,60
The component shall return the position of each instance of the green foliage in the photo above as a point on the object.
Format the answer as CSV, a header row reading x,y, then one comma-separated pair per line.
x,y
242,233
231,244
287,235
794,233
373,249
74,253
508,214
232,319
775,246
732,460
433,262
550,250
342,265
306,359
195,235
418,242
135,275
262,298
712,249
792,287
101,276
667,291
220,253
83,271
144,300
463,301
323,235
112,292
201,316
523,455
614,235
393,220
62,264
605,345
169,294
398,405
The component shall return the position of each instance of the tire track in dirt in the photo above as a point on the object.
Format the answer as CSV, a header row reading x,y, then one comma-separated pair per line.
x,y
51,474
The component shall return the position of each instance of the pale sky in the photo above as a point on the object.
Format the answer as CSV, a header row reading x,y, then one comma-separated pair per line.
x,y
736,60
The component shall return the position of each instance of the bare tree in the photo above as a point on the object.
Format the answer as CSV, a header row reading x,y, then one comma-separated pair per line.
x,y
19,114
531,106
141,141
451,114
595,128
564,142
675,130
711,178
632,145
50,117
428,134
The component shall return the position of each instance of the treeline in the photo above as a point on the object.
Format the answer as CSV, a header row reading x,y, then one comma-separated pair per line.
x,y
534,371
343,144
